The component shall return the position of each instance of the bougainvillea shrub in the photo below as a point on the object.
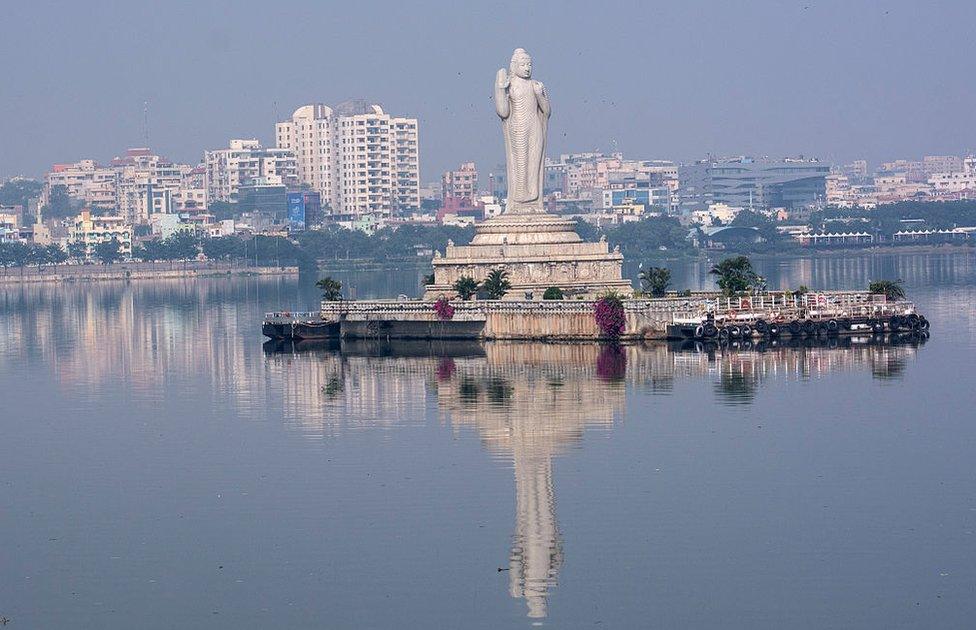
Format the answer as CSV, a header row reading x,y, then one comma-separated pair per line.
x,y
444,309
609,314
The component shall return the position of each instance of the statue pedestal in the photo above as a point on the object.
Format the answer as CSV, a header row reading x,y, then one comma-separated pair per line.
x,y
538,251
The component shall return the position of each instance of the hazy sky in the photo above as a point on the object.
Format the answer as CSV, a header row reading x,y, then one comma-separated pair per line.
x,y
674,80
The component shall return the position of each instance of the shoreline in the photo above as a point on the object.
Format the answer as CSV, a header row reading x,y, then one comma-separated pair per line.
x,y
133,271
374,264
850,251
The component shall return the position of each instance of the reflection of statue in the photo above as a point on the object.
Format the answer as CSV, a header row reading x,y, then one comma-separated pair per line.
x,y
530,403
523,106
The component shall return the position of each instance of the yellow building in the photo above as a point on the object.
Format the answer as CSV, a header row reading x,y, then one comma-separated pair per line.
x,y
92,230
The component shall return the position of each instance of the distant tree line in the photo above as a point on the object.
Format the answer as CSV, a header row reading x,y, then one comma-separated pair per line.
x,y
887,219
17,254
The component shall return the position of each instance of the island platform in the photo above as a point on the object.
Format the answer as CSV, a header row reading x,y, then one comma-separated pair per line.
x,y
700,316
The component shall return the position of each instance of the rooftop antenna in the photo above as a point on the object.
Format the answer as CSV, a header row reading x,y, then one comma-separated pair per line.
x,y
145,123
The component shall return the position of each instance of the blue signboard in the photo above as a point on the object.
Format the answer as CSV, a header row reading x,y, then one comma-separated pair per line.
x,y
296,212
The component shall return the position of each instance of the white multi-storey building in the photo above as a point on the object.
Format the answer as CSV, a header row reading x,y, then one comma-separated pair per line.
x,y
309,136
953,182
146,184
245,163
91,230
85,180
137,184
362,161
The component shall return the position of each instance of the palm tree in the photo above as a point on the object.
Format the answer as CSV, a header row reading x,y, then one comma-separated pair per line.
x,y
331,289
466,286
655,280
496,285
891,289
735,275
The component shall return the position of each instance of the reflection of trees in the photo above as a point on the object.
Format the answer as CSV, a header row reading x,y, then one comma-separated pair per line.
x,y
734,386
529,403
499,391
889,368
334,387
468,391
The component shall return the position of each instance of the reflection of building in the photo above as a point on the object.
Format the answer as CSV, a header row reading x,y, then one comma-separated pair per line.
x,y
529,403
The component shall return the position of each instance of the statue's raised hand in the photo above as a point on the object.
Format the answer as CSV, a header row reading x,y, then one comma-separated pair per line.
x,y
501,79
540,89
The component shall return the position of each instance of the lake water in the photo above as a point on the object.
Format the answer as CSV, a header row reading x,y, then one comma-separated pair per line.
x,y
162,467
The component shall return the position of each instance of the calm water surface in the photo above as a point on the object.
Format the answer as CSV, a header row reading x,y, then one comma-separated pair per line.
x,y
161,467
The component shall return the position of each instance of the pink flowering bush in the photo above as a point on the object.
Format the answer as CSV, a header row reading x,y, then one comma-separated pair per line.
x,y
609,314
444,309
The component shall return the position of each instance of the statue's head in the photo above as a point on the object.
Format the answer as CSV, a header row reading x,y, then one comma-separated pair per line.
x,y
521,65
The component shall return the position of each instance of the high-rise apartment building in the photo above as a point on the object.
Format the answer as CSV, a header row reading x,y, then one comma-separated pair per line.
x,y
246,163
359,158
461,183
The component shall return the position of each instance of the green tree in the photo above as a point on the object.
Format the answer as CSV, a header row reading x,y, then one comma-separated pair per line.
x,y
331,289
108,251
655,280
19,191
182,246
20,254
496,285
275,250
427,279
735,275
151,250
223,247
55,255
466,286
59,204
76,250
14,254
640,239
891,289
36,255
553,293
586,230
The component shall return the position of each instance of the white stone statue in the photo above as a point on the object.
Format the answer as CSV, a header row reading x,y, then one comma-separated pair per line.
x,y
523,106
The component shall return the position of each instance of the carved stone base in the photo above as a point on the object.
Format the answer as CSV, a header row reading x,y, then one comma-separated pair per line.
x,y
538,251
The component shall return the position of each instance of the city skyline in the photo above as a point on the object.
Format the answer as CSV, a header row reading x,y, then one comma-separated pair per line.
x,y
669,83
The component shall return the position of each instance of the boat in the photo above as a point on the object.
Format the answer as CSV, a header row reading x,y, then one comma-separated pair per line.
x,y
298,326
809,315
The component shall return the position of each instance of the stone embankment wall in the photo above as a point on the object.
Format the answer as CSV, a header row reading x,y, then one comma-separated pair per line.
x,y
133,271
505,319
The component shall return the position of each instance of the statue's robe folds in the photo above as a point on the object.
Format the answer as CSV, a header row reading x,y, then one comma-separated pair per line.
x,y
525,131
